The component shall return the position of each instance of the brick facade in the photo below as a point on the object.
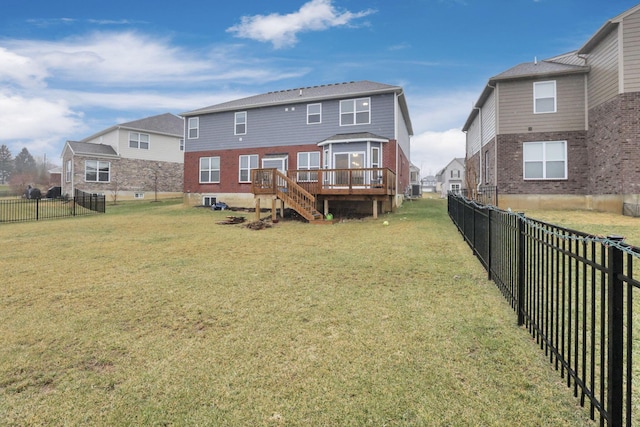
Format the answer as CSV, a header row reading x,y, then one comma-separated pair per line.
x,y
614,146
510,177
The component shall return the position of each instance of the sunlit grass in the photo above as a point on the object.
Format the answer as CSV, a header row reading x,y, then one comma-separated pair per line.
x,y
154,314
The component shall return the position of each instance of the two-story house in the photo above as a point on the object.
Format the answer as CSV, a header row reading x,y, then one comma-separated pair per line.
x,y
564,132
451,177
340,147
141,159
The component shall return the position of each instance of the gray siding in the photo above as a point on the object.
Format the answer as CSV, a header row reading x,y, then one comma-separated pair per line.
x,y
631,52
403,138
473,137
603,77
489,119
515,114
285,125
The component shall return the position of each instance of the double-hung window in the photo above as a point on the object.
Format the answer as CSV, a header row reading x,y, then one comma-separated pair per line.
x,y
97,171
139,140
544,97
247,163
314,113
545,160
240,123
68,171
309,161
194,128
209,169
355,111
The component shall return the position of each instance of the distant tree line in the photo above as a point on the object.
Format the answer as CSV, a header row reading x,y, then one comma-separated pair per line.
x,y
22,170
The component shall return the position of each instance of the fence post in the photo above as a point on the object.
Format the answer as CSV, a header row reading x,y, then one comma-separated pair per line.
x,y
37,209
489,242
615,303
521,266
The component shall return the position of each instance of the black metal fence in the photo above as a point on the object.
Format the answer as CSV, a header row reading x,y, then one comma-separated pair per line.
x,y
574,292
20,210
486,194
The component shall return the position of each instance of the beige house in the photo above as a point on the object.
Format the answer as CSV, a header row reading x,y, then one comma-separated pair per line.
x,y
451,177
564,132
142,159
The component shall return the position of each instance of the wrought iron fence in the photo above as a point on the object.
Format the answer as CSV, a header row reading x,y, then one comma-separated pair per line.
x,y
20,210
573,291
486,194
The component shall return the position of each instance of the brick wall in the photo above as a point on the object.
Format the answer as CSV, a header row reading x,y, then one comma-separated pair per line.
x,y
614,146
510,173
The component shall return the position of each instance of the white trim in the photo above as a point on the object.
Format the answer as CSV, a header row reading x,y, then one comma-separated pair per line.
x,y
544,161
342,141
248,168
209,170
355,111
314,114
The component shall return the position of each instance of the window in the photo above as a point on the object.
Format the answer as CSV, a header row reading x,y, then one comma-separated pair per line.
x,y
276,162
209,169
308,161
544,97
181,144
455,173
194,127
208,200
97,171
247,163
355,111
455,188
375,157
68,171
545,160
487,169
138,195
139,140
314,113
241,123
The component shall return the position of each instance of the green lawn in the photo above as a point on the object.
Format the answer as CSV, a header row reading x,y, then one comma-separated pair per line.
x,y
153,314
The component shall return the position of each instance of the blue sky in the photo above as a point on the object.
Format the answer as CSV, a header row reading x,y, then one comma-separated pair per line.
x,y
69,69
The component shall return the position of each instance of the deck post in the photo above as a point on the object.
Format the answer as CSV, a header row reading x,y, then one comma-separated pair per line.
x,y
258,208
375,209
273,209
326,207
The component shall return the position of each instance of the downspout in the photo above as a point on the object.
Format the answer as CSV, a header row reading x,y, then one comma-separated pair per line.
x,y
495,136
395,131
480,150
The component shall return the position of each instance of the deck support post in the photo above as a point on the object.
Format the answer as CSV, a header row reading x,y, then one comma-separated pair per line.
x,y
326,207
257,208
375,209
273,210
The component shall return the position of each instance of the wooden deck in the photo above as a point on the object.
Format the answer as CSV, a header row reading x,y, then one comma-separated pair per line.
x,y
330,182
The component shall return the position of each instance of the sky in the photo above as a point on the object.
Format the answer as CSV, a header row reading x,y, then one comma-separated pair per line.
x,y
69,69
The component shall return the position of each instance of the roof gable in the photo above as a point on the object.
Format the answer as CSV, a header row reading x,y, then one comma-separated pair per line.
x,y
90,149
606,28
165,124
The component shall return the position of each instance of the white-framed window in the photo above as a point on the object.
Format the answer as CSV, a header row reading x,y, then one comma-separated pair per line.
x,y
308,161
247,163
455,187
194,128
181,144
240,123
375,157
455,173
209,169
314,114
97,171
276,162
139,140
208,200
544,97
138,195
68,171
355,111
545,160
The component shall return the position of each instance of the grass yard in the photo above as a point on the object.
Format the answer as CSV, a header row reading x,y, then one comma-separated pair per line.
x,y
153,314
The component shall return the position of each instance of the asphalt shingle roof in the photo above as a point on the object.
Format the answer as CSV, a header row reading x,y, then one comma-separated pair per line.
x,y
91,149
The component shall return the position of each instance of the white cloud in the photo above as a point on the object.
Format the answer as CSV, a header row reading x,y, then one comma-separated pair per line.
x,y
282,30
16,69
431,151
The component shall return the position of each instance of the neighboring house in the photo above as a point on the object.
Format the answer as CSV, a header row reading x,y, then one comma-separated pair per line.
x,y
134,160
564,132
347,145
429,184
55,176
451,178
415,188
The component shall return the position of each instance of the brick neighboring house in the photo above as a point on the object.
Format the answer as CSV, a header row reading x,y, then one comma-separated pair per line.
x,y
346,144
565,131
141,159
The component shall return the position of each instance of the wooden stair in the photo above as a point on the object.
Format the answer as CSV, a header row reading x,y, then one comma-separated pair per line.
x,y
297,197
